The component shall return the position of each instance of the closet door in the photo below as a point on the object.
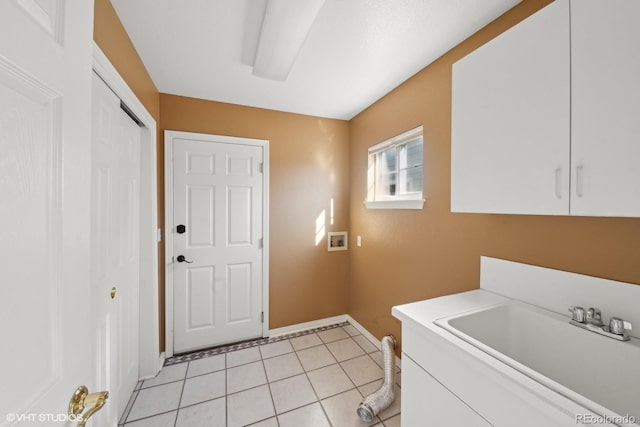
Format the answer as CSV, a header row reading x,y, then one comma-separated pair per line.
x,y
510,120
605,114
115,249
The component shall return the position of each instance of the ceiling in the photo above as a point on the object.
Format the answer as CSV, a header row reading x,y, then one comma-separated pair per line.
x,y
356,51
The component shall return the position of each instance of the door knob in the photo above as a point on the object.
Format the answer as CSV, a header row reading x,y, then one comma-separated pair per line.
x,y
82,400
181,258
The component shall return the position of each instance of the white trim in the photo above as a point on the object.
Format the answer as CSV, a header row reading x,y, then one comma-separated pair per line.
x,y
413,200
327,321
265,238
370,337
150,361
396,140
168,245
169,136
300,327
395,204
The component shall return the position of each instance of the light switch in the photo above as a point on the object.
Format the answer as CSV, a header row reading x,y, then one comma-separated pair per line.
x,y
358,240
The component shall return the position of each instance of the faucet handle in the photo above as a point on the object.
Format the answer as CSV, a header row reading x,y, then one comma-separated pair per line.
x,y
594,316
577,314
618,326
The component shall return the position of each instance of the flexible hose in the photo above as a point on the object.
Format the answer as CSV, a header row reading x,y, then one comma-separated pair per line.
x,y
380,399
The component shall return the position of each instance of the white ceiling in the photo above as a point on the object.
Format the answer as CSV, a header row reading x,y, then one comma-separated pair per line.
x,y
356,52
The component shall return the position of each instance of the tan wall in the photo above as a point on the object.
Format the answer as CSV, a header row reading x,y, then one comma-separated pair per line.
x,y
406,255
309,165
412,255
114,41
112,38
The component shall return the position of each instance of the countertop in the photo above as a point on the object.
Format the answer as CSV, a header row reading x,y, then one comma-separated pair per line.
x,y
425,312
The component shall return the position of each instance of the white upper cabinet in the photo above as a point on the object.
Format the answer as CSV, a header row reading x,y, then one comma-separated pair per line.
x,y
605,107
510,120
546,116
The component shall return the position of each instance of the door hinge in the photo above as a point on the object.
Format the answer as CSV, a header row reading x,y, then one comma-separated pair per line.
x,y
262,317
260,243
261,167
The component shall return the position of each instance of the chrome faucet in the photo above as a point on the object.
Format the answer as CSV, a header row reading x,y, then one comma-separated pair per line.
x,y
591,320
594,316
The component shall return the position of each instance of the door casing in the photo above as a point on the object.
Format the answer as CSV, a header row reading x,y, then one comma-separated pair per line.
x,y
169,136
151,360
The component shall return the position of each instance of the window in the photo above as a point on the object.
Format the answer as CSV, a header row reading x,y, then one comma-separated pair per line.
x,y
395,172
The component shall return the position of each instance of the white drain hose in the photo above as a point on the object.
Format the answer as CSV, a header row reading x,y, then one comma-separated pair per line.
x,y
380,399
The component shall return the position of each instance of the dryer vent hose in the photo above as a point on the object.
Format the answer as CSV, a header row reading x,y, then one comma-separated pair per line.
x,y
380,399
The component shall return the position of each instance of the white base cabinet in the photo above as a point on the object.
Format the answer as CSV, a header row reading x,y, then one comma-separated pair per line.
x,y
446,385
545,116
427,402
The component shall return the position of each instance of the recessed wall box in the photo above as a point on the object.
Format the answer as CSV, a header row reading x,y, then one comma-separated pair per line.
x,y
338,241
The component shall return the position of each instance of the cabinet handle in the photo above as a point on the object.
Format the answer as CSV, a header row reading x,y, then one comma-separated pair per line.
x,y
559,183
579,180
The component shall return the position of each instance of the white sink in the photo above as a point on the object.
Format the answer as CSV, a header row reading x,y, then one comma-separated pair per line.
x,y
597,372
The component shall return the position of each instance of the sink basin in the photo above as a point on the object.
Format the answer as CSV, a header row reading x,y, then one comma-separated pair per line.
x,y
597,372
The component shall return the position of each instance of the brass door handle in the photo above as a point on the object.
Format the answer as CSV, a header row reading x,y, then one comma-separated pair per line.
x,y
82,400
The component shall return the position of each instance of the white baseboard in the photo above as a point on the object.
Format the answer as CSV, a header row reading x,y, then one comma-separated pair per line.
x,y
370,336
326,322
363,331
307,325
161,360
159,364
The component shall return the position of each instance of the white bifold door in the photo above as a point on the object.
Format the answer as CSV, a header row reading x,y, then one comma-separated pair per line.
x,y
115,248
217,241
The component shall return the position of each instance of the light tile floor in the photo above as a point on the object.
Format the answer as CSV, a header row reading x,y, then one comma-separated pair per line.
x,y
313,380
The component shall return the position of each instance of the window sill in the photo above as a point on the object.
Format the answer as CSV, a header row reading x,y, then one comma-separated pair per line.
x,y
395,204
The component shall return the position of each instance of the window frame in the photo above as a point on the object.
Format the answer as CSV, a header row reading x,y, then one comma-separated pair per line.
x,y
413,200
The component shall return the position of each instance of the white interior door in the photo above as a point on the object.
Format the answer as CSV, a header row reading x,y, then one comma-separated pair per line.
x,y
115,244
45,161
217,198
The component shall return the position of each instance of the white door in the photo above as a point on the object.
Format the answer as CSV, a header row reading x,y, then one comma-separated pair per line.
x,y
217,198
115,246
45,175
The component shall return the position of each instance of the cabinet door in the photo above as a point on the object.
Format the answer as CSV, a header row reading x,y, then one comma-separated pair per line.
x,y
605,115
510,120
427,402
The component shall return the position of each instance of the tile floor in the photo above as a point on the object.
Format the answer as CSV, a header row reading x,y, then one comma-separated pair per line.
x,y
312,380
